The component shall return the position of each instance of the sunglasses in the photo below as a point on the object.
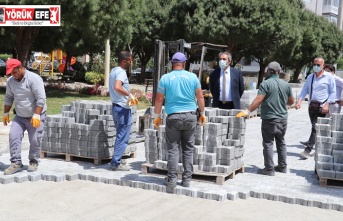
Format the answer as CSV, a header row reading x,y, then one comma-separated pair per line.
x,y
316,65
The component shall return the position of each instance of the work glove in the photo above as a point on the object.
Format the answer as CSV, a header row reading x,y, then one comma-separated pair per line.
x,y
132,100
157,121
244,113
202,118
35,120
6,119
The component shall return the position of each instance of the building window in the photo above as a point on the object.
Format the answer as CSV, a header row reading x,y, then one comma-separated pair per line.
x,y
331,2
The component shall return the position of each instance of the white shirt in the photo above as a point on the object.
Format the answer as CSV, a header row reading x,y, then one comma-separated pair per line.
x,y
339,87
228,85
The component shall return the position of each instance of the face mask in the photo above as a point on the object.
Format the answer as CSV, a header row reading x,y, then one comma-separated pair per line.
x,y
317,68
222,64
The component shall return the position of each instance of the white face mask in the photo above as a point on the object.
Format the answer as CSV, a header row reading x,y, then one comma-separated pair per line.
x,y
222,64
317,68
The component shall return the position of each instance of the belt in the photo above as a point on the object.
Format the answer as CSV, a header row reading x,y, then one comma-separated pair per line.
x,y
227,101
179,113
117,105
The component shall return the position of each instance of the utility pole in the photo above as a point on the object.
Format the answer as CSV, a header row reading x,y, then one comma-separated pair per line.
x,y
107,61
340,15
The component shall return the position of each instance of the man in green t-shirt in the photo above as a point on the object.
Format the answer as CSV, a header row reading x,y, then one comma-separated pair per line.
x,y
273,95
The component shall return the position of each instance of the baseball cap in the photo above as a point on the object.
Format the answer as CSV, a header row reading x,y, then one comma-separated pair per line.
x,y
10,64
178,57
274,66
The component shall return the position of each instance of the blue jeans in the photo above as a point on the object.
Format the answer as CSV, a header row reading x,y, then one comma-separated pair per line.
x,y
19,125
122,121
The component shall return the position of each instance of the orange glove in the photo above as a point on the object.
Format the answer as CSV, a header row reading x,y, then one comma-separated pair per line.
x,y
244,113
202,118
132,100
6,119
35,120
157,121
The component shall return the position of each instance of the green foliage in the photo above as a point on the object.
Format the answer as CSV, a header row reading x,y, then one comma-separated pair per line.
x,y
340,63
94,77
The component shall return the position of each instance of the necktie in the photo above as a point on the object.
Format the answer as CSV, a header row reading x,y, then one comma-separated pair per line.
x,y
224,88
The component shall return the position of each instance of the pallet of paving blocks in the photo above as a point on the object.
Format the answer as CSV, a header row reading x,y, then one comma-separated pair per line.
x,y
329,150
85,129
218,151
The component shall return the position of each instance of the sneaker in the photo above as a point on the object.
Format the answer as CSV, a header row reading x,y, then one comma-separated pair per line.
x,y
170,185
186,183
280,169
120,167
305,154
305,143
33,166
266,172
13,168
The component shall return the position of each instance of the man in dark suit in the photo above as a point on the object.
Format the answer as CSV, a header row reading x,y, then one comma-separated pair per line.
x,y
233,87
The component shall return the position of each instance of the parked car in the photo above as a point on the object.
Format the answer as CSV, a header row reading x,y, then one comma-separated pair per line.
x,y
2,68
135,72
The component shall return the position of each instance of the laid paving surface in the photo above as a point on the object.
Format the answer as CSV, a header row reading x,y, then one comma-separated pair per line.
x,y
298,186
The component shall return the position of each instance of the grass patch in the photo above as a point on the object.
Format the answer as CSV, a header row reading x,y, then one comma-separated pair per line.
x,y
56,98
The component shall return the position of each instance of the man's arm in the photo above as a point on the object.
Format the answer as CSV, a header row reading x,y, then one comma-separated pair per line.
x,y
241,83
118,87
256,102
159,102
290,100
200,98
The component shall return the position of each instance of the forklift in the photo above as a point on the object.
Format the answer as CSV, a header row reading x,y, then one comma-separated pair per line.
x,y
201,60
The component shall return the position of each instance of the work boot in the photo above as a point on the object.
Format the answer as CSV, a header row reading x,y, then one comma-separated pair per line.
x,y
13,168
120,167
280,169
305,154
33,166
186,183
266,172
170,185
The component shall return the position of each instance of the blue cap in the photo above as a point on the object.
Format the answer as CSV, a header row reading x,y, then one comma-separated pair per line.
x,y
178,57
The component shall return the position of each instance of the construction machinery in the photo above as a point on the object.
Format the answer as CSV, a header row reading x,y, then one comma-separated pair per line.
x,y
201,60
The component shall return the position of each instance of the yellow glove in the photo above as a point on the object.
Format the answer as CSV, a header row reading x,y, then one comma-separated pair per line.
x,y
157,121
132,100
6,119
244,113
202,118
35,120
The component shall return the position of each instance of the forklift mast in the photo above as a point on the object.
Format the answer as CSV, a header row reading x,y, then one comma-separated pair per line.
x,y
164,50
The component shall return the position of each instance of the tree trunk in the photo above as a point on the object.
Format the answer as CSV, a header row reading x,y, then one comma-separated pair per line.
x,y
263,66
144,57
25,37
296,75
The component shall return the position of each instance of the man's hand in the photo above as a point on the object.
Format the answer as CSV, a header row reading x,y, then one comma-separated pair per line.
x,y
298,105
132,100
6,119
202,118
244,113
157,122
325,108
35,120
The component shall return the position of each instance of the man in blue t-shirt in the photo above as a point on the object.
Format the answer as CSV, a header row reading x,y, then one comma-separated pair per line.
x,y
122,100
179,89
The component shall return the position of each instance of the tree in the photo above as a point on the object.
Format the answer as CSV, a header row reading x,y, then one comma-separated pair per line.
x,y
150,25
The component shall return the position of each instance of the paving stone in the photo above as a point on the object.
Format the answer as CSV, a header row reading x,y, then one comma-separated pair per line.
x,y
20,178
33,177
7,179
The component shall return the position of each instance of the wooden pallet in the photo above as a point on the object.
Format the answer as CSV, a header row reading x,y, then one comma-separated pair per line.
x,y
71,157
328,182
220,178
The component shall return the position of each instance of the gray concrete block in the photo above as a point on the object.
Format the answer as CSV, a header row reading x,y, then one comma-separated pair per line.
x,y
244,194
324,166
326,174
339,175
72,177
337,146
338,167
33,177
338,160
232,195
337,153
20,178
6,179
323,139
325,158
324,120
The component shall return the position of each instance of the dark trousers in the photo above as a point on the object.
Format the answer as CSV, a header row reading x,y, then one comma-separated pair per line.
x,y
180,133
312,140
227,105
274,129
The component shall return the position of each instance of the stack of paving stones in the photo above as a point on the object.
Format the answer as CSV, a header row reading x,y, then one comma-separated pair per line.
x,y
219,144
247,98
329,147
85,129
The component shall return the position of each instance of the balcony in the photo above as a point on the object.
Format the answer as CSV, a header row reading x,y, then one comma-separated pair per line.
x,y
330,9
